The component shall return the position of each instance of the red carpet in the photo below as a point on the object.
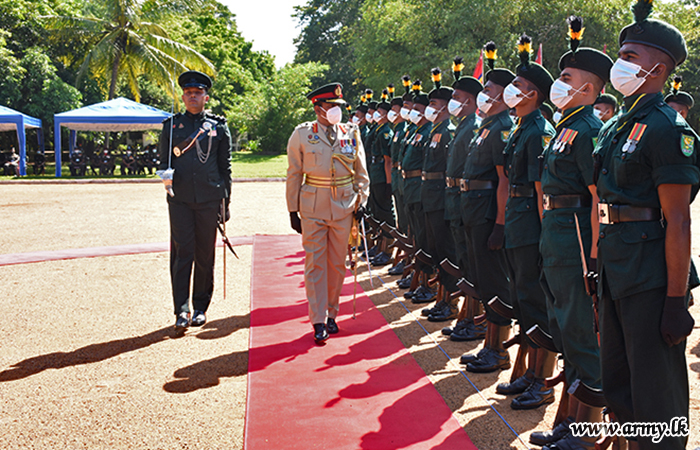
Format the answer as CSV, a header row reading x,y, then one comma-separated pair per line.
x,y
93,252
362,390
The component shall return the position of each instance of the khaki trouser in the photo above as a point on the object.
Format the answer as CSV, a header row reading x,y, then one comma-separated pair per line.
x,y
326,246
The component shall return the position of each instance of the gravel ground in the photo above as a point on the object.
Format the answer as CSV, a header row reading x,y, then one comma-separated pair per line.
x,y
89,359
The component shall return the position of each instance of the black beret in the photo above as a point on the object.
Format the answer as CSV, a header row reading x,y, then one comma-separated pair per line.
x,y
501,77
372,105
397,101
441,93
657,34
386,106
606,99
330,93
469,85
193,78
537,75
422,99
547,110
590,60
362,109
681,97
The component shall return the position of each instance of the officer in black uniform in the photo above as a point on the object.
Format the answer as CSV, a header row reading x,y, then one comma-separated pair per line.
x,y
647,161
200,154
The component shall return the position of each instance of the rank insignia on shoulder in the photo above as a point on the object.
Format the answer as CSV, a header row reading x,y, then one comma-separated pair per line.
x,y
505,135
687,145
545,141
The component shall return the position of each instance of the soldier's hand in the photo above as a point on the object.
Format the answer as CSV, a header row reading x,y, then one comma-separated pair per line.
x,y
224,213
360,213
676,321
295,221
497,237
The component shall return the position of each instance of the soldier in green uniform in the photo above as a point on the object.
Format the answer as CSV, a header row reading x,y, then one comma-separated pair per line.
x,y
380,197
462,106
680,101
605,107
647,163
360,118
522,220
568,188
484,192
411,171
197,145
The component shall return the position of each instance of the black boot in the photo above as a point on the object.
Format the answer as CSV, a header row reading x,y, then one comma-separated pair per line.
x,y
537,394
497,358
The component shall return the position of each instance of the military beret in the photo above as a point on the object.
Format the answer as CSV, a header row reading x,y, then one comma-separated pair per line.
x,y
193,78
397,101
422,99
386,106
372,105
362,108
547,110
440,92
678,96
469,85
330,93
654,33
606,99
531,71
588,59
501,77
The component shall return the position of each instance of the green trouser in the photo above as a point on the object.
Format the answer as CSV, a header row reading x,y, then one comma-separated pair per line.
x,y
572,323
529,302
461,253
380,203
401,215
440,245
644,380
490,270
416,220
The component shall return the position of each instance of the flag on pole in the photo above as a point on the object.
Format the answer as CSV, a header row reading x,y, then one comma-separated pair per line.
x,y
538,60
479,69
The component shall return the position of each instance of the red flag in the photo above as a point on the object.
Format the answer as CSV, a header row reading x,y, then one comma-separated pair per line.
x,y
538,60
479,69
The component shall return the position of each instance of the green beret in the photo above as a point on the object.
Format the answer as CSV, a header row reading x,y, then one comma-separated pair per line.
x,y
590,60
470,85
193,78
501,77
537,75
422,99
606,99
654,33
681,97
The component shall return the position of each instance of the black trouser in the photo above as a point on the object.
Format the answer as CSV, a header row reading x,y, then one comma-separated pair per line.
x,y
644,380
381,204
192,240
489,268
416,220
401,214
440,245
529,302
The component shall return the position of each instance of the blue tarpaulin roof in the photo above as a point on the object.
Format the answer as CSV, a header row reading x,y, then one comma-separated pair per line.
x,y
11,120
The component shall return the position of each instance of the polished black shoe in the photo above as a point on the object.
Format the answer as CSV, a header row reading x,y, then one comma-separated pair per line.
x,y
534,396
469,357
183,320
425,312
570,442
382,259
518,386
423,295
409,294
469,333
491,361
320,333
443,313
331,326
405,283
199,318
464,323
550,436
397,269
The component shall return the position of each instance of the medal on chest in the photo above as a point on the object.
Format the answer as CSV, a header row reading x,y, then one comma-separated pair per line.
x,y
565,137
435,141
634,138
482,136
347,146
416,139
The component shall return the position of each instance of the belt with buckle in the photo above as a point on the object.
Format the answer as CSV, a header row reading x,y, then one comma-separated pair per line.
x,y
609,214
411,173
396,165
453,182
550,202
477,185
521,191
432,175
377,159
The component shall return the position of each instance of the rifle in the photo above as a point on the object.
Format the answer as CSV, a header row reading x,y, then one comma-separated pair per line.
x,y
590,278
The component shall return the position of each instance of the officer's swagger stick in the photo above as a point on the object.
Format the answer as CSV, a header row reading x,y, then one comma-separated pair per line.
x,y
223,247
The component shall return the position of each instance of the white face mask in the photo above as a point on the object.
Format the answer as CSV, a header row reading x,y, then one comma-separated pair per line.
x,y
355,120
561,93
377,116
415,116
392,116
405,113
512,96
598,113
556,117
432,113
368,117
455,107
484,102
623,77
334,114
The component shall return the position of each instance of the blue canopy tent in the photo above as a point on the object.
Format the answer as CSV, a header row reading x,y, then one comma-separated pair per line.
x,y
119,114
11,120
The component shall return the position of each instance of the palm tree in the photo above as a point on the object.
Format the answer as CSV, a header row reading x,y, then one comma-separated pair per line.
x,y
129,42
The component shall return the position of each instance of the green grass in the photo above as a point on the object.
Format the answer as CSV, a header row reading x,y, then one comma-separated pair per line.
x,y
243,165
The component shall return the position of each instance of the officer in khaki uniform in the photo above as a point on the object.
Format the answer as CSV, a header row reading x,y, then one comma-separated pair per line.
x,y
647,161
326,183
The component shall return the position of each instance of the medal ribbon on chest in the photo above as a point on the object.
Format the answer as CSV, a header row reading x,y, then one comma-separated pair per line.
x,y
634,137
482,136
566,136
435,141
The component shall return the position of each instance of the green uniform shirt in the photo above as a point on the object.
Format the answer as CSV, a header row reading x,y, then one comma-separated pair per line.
x,y
432,192
413,160
525,144
485,153
456,155
396,146
647,146
381,147
568,170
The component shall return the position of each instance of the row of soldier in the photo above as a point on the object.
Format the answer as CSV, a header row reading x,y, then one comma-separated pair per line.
x,y
518,216
104,163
